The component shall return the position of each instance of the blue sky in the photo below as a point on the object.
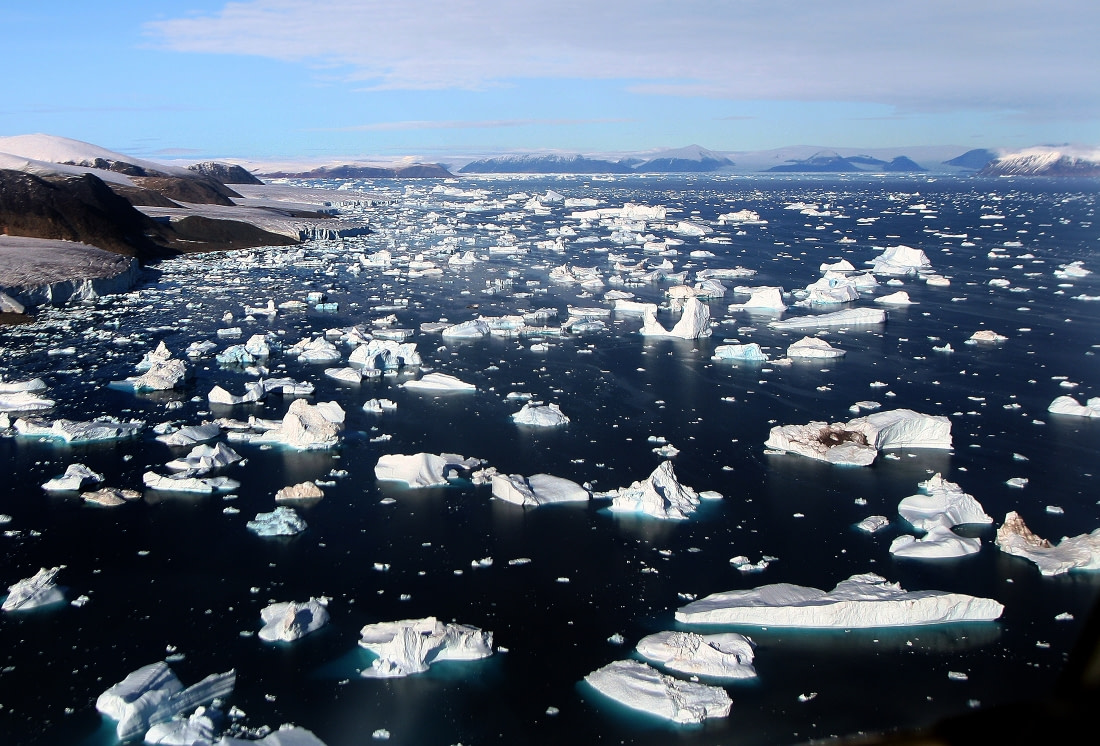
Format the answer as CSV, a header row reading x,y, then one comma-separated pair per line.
x,y
271,79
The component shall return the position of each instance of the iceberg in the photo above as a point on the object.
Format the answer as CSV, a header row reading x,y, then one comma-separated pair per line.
x,y
900,298
410,646
74,478
78,432
813,347
857,442
749,353
727,655
694,323
866,600
385,354
110,497
466,330
986,335
660,495
1071,553
939,543
830,289
162,376
14,387
304,427
438,382
639,686
421,469
190,435
303,492
847,317
282,521
943,504
540,416
287,735
24,401
185,482
34,592
204,458
378,406
289,621
152,694
762,299
198,729
344,375
1070,406
538,489
900,260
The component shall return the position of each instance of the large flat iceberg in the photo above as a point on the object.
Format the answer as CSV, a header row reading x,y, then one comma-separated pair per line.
x,y
438,382
847,317
642,687
866,600
538,489
858,441
410,646
726,655
421,469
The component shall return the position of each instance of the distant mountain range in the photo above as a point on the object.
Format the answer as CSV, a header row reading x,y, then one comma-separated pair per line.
x,y
692,159
832,162
1045,161
351,171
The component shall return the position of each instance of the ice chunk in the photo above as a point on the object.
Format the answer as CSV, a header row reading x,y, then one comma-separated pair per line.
x,y
30,386
282,521
289,621
943,504
438,382
694,323
847,317
287,735
856,442
986,335
642,687
540,416
24,401
624,306
184,482
466,330
873,523
152,694
538,489
110,497
162,376
725,655
344,375
813,347
1069,405
842,266
762,299
750,353
304,427
385,354
378,406
305,491
660,496
34,592
412,645
900,298
866,600
832,288
74,478
1071,553
253,392
198,729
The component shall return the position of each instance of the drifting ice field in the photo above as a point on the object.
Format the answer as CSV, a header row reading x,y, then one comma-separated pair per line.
x,y
568,589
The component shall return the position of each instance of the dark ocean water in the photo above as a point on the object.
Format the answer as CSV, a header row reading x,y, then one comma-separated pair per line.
x,y
178,572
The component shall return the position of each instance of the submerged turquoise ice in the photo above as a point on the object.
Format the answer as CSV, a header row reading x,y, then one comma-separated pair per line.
x,y
181,575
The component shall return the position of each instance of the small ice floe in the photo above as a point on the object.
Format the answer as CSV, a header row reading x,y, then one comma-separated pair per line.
x,y
289,621
866,600
78,432
873,523
190,435
282,521
205,458
536,490
110,497
941,503
741,563
813,348
749,353
725,655
807,697
184,482
76,477
986,336
412,645
35,592
378,406
535,415
900,298
152,694
957,676
639,686
1071,553
1017,482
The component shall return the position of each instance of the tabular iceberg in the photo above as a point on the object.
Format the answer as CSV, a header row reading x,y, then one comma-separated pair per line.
x,y
1069,405
642,687
152,694
750,353
78,432
438,382
1071,553
866,600
289,621
727,655
421,469
410,646
813,347
857,442
900,260
847,317
538,489
35,591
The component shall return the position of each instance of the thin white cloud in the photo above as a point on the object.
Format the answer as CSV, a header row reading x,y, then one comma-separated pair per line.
x,y
1009,54
431,124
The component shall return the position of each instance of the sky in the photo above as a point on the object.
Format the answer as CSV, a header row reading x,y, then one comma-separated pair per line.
x,y
428,79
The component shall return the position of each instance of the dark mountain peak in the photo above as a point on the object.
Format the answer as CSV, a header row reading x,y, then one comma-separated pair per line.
x,y
225,173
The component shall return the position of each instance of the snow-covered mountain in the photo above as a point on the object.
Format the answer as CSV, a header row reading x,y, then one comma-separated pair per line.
x,y
1046,161
65,151
693,158
544,164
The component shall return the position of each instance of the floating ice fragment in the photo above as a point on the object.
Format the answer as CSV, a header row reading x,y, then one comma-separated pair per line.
x,y
78,432
1069,406
943,504
205,458
1080,552
985,335
75,478
745,352
866,600
813,347
857,442
661,496
535,415
873,523
421,469
900,298
184,482
694,323
439,382
642,687
847,317
538,489
940,542
282,521
304,491
191,434
726,655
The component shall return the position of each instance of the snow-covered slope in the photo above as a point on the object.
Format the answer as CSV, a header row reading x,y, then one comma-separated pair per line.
x,y
1046,161
63,150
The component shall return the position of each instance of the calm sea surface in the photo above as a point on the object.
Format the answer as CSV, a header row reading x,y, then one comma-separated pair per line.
x,y
178,574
